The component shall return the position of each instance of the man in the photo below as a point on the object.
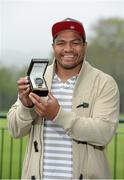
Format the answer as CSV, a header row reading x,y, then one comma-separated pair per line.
x,y
69,130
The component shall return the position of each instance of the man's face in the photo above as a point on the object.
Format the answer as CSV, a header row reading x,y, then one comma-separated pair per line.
x,y
69,49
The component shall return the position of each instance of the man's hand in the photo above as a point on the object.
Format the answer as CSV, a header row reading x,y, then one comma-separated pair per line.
x,y
45,108
24,90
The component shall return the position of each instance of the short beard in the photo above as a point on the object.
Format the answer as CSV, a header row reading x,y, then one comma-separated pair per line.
x,y
69,67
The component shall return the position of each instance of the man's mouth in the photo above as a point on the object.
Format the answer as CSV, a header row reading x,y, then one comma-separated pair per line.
x,y
68,56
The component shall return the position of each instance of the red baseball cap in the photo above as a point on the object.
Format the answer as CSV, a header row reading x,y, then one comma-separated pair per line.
x,y
66,24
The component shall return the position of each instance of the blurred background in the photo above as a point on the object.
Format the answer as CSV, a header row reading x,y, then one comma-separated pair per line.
x,y
25,33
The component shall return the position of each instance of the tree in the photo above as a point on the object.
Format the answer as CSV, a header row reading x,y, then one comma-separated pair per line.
x,y
106,50
8,85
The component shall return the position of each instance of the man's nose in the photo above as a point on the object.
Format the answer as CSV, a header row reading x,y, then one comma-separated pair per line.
x,y
68,47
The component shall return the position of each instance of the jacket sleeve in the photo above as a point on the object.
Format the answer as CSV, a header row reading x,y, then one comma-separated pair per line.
x,y
99,128
20,119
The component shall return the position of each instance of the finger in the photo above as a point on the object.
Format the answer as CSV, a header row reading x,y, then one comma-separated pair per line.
x,y
36,97
24,92
37,102
33,99
22,81
39,107
28,90
23,87
37,111
39,99
50,95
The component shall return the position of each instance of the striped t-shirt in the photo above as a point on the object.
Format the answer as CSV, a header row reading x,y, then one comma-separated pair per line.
x,y
58,163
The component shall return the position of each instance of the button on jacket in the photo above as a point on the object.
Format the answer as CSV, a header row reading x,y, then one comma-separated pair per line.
x,y
91,124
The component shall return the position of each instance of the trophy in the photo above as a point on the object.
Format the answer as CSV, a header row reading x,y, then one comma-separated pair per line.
x,y
35,74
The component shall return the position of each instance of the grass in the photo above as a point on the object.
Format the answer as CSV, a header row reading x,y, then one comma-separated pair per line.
x,y
12,161
11,158
117,146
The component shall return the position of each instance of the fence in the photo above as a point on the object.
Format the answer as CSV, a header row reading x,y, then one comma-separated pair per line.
x,y
12,153
118,156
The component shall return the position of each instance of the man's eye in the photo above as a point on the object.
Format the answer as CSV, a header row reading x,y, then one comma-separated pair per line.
x,y
77,42
60,43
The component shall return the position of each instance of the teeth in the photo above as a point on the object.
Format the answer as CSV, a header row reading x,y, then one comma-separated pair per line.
x,y
68,56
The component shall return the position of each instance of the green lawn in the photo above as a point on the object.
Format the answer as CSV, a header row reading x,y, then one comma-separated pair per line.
x,y
117,145
12,161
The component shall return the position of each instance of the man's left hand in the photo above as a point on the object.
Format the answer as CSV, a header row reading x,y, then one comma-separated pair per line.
x,y
47,109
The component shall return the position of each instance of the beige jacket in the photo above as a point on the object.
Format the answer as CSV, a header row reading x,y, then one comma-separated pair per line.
x,y
91,124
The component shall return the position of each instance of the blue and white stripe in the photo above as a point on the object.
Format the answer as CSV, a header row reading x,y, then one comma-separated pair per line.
x,y
58,162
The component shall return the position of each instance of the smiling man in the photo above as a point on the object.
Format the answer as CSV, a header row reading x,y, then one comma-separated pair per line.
x,y
69,131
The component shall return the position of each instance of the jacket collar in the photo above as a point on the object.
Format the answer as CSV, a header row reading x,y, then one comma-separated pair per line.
x,y
85,69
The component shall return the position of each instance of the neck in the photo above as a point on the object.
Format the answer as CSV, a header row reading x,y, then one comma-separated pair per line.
x,y
65,74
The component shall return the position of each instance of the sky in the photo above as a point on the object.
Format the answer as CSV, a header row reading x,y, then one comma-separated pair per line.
x,y
25,31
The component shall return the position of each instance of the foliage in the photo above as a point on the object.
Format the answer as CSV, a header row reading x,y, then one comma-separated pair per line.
x,y
8,86
106,50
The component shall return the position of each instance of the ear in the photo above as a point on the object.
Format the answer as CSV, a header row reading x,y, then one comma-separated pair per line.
x,y
53,46
85,44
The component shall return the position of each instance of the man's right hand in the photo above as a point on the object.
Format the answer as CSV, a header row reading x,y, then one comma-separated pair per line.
x,y
24,91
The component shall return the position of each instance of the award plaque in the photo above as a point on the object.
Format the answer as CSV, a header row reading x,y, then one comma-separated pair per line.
x,y
35,74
